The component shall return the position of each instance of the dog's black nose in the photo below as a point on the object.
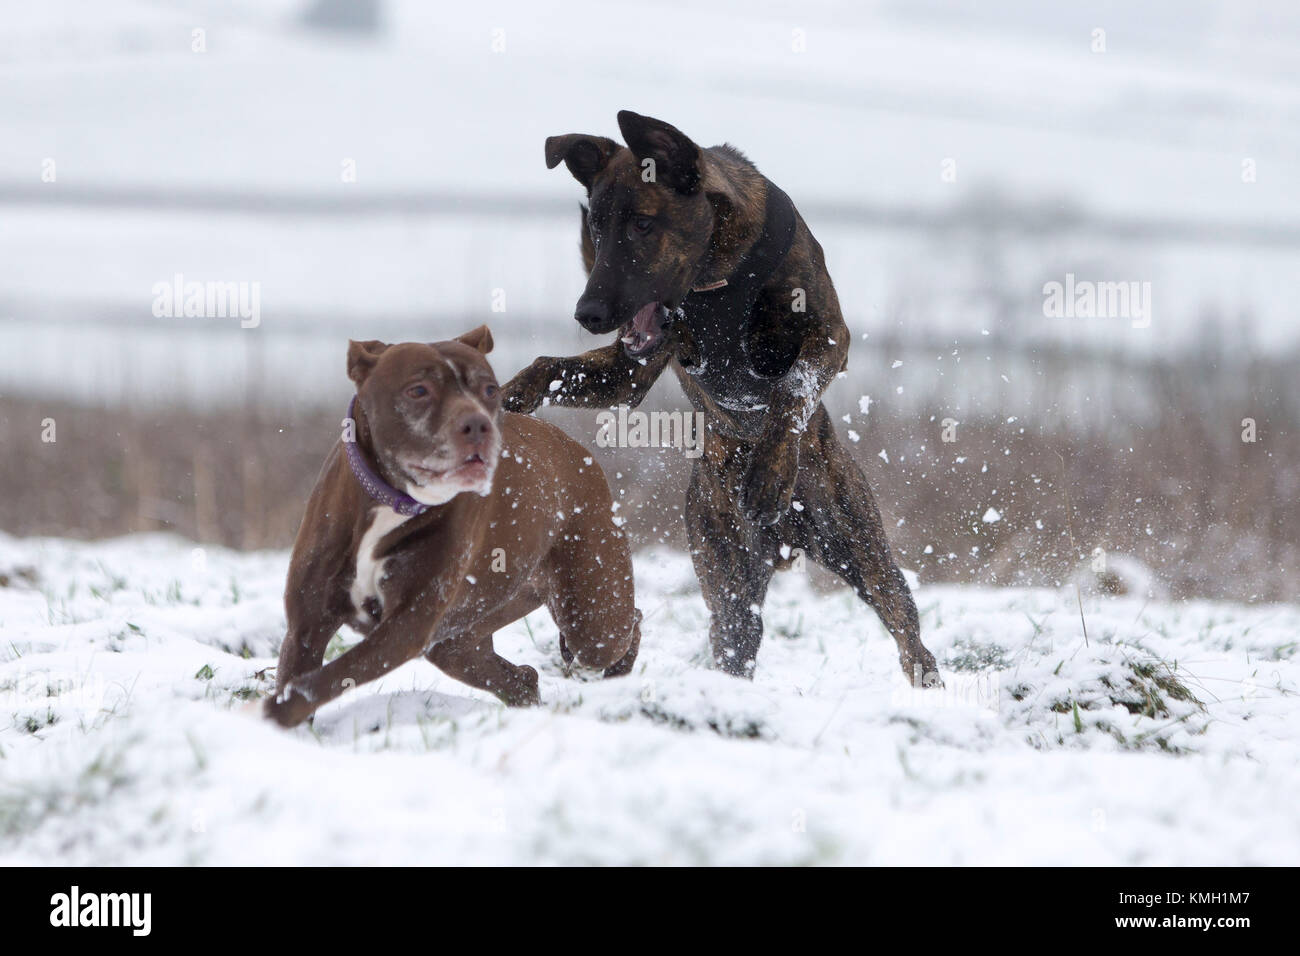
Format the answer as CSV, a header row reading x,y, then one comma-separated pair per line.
x,y
475,428
592,314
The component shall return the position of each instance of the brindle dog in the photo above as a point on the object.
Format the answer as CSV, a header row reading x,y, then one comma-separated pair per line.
x,y
704,265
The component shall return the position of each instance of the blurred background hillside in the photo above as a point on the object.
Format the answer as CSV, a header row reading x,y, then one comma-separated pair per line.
x,y
375,166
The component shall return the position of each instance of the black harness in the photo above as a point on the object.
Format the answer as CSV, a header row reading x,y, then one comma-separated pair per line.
x,y
715,322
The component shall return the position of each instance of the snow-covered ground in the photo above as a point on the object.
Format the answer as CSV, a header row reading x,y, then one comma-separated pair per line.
x,y
128,669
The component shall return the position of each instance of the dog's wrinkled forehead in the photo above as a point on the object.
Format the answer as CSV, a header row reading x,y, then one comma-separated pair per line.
x,y
448,364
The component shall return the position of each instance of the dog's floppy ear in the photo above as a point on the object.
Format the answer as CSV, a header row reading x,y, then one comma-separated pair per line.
x,y
480,338
584,155
362,357
676,158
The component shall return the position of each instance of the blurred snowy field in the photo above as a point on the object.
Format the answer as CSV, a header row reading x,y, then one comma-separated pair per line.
x,y
127,669
461,96
857,128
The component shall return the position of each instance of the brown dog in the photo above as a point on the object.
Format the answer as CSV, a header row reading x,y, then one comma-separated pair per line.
x,y
704,266
437,519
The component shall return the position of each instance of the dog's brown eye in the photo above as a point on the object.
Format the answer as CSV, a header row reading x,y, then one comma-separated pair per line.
x,y
642,224
417,391
490,391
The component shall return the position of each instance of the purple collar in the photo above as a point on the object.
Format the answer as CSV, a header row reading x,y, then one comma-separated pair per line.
x,y
371,483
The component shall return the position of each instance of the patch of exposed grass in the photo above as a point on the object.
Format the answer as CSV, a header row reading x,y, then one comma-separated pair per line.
x,y
19,576
35,722
24,808
1144,686
743,728
787,629
972,655
337,646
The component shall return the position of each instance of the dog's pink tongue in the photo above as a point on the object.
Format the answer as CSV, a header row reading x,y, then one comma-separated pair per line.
x,y
643,321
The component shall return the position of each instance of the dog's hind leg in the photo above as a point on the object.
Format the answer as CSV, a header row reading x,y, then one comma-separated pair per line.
x,y
471,658
623,666
592,595
733,560
840,528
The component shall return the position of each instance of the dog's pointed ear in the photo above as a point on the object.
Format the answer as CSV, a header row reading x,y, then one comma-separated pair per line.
x,y
585,155
676,159
480,338
362,357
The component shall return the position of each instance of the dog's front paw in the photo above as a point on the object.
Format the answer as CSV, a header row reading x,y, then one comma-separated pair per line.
x,y
287,708
920,667
769,484
525,391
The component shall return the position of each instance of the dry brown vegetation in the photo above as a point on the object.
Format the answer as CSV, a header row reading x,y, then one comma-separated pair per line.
x,y
1211,515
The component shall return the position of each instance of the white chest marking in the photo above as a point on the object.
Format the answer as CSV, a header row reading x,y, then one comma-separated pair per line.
x,y
369,570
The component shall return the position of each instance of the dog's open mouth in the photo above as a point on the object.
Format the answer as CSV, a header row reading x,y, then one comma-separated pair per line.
x,y
473,469
646,330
